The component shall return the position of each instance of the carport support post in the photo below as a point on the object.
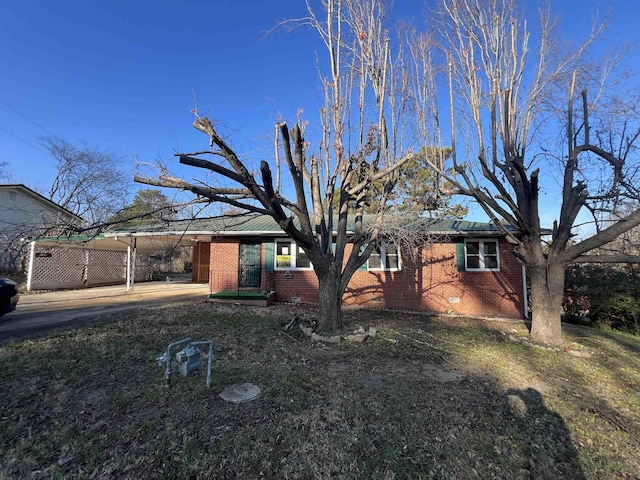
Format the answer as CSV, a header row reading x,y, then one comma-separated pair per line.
x,y
128,268
32,259
131,265
133,262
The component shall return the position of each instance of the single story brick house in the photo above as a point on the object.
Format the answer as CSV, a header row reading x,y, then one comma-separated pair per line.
x,y
462,267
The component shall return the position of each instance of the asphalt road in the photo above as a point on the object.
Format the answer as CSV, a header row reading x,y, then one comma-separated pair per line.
x,y
41,313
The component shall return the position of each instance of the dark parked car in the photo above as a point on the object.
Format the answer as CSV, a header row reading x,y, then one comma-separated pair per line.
x,y
8,295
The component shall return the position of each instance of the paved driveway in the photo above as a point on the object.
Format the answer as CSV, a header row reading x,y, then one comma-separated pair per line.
x,y
39,313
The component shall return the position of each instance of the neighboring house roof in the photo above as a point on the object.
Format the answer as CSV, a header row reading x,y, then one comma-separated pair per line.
x,y
40,198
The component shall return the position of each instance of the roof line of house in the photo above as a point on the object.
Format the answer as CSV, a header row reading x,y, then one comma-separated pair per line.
x,y
40,197
193,233
270,233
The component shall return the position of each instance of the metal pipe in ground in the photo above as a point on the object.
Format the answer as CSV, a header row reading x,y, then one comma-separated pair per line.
x,y
210,360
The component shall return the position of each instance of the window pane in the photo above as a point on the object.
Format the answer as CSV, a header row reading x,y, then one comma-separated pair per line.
x,y
473,262
392,262
375,261
302,261
392,257
473,248
490,262
283,255
490,248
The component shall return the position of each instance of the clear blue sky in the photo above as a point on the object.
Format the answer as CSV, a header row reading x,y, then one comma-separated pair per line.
x,y
120,75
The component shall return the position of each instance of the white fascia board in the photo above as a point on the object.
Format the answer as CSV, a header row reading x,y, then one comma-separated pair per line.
x,y
194,233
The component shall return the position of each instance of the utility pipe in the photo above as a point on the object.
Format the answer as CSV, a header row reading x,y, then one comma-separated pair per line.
x,y
167,359
209,362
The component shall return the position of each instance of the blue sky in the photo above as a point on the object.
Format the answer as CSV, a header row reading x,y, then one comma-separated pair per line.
x,y
121,75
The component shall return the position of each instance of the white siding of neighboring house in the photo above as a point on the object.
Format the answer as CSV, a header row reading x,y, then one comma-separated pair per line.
x,y
24,215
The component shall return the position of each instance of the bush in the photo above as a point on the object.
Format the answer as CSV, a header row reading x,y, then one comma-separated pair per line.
x,y
608,294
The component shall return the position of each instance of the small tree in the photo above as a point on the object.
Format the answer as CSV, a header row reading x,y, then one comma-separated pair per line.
x,y
504,95
346,164
421,189
149,206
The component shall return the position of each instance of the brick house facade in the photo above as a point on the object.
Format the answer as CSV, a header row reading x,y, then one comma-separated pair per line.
x,y
467,269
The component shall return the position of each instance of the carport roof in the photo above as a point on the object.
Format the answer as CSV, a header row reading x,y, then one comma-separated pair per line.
x,y
188,232
149,238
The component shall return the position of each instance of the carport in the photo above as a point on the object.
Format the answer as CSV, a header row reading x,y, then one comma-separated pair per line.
x,y
116,257
122,256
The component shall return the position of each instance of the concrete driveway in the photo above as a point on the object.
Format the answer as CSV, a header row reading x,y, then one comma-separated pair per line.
x,y
40,313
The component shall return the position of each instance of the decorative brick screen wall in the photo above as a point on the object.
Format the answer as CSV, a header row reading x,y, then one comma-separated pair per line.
x,y
61,268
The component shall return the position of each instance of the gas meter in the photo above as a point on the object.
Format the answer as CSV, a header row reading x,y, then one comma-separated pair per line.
x,y
189,359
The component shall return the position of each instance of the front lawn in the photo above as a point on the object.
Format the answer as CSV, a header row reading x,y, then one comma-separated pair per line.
x,y
426,397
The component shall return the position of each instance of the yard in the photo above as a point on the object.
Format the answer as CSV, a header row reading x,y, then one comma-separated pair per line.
x,y
427,397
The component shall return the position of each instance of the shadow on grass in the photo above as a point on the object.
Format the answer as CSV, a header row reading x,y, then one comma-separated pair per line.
x,y
592,334
546,441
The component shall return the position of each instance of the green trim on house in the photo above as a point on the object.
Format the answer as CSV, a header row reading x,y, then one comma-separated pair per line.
x,y
241,294
269,264
460,263
244,297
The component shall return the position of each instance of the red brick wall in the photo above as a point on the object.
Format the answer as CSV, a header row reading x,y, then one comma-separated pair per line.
x,y
296,284
431,281
427,281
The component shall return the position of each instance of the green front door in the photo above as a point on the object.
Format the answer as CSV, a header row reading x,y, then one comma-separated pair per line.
x,y
250,264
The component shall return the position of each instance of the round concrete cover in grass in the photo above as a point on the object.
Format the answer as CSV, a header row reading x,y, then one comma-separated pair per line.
x,y
240,392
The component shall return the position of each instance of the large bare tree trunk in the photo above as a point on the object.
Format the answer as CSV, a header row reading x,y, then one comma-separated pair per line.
x,y
329,300
547,291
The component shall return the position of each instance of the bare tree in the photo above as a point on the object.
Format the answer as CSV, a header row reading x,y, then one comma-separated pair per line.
x,y
4,174
508,96
88,181
356,151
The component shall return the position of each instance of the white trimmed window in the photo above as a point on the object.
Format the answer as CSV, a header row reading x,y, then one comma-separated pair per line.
x,y
385,257
481,255
290,256
13,196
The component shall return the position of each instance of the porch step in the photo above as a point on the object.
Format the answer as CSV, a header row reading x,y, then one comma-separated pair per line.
x,y
243,297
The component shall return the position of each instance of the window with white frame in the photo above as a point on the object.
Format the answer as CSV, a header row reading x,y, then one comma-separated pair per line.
x,y
13,195
290,256
384,257
481,255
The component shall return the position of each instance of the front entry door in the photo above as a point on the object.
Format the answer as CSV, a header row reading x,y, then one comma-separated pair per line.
x,y
249,268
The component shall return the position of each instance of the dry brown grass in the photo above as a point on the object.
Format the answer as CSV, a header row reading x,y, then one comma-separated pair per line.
x,y
438,398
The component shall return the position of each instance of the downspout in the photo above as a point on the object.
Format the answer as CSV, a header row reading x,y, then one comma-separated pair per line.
x,y
32,258
524,290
